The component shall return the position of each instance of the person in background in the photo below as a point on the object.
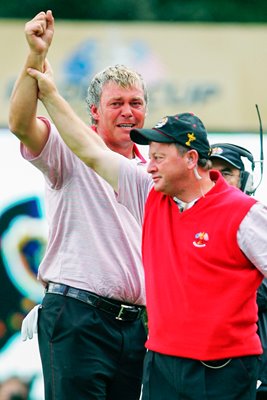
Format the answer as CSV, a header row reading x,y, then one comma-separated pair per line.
x,y
227,158
203,263
90,330
14,388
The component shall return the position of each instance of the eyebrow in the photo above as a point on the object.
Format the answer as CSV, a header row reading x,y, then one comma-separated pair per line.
x,y
227,169
132,98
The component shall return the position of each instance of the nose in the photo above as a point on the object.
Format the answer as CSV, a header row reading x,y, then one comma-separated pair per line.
x,y
126,110
151,167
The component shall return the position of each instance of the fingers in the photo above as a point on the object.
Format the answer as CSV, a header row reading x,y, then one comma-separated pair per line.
x,y
47,68
40,23
44,16
50,19
46,21
34,73
47,72
46,86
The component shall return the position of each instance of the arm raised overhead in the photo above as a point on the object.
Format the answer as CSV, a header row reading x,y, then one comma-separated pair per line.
x,y
79,137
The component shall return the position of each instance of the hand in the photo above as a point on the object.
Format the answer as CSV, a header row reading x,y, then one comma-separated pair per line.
x,y
44,80
30,323
39,32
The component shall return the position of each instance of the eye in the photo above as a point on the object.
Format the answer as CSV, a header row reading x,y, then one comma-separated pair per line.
x,y
226,174
137,103
158,158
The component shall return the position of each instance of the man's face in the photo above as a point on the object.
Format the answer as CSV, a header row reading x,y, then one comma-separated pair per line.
x,y
119,111
228,171
168,168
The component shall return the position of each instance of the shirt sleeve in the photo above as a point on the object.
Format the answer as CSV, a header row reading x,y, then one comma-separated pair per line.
x,y
252,237
134,186
55,161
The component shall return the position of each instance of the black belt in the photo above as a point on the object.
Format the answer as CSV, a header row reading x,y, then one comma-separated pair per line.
x,y
122,312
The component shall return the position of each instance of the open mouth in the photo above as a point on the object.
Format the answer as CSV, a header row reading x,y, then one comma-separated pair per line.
x,y
130,126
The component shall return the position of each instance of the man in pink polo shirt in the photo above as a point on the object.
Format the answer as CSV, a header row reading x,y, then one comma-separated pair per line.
x,y
90,329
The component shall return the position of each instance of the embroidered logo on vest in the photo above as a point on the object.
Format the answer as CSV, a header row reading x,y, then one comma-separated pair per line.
x,y
201,238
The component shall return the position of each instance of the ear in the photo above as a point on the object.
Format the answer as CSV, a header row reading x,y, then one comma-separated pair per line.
x,y
192,158
94,112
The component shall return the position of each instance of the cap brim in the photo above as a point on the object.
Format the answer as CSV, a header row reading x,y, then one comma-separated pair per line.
x,y
225,159
145,136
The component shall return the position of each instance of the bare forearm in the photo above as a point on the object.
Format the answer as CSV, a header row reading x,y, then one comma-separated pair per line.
x,y
81,139
23,105
24,98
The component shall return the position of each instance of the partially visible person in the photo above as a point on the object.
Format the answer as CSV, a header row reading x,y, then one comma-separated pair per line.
x,y
14,388
228,159
203,263
90,330
262,330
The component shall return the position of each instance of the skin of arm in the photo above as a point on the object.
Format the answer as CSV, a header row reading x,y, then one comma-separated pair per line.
x,y
79,137
23,121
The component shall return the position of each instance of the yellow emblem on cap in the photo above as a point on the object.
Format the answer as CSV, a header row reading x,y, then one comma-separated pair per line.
x,y
191,138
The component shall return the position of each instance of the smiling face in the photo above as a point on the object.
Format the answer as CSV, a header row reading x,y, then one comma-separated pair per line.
x,y
120,109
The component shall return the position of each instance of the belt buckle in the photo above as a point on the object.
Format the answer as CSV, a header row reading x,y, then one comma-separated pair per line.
x,y
122,309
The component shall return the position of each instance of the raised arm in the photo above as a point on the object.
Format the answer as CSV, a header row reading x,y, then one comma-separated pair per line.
x,y
79,137
23,104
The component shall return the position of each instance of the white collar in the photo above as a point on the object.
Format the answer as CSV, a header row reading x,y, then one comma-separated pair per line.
x,y
182,205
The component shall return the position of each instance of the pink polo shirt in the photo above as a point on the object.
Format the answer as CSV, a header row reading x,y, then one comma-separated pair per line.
x,y
94,242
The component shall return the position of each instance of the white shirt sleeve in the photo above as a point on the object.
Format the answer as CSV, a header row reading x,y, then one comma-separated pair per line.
x,y
134,186
252,236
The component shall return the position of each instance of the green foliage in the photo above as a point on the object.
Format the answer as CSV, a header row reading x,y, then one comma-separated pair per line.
x,y
141,10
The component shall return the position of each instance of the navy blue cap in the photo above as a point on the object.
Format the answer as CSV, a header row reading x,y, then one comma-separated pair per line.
x,y
186,129
228,154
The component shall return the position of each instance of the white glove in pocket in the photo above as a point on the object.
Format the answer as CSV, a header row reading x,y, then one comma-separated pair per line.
x,y
30,323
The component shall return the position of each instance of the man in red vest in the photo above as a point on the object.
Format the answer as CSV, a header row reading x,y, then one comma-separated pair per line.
x,y
203,262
